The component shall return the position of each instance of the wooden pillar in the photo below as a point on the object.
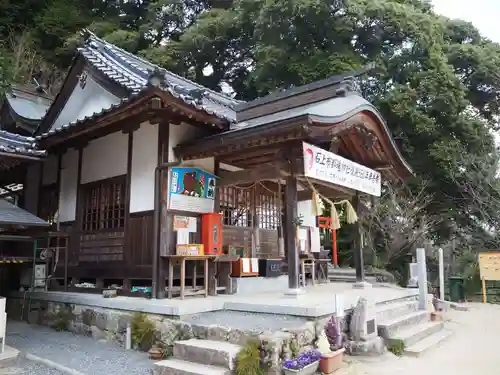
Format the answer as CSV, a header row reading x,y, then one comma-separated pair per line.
x,y
358,245
32,183
290,234
163,157
255,222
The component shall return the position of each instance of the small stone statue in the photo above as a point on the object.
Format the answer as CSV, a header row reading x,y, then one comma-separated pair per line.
x,y
358,321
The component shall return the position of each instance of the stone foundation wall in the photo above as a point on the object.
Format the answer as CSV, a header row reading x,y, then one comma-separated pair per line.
x,y
110,325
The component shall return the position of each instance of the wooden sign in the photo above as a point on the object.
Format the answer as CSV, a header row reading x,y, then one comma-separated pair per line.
x,y
489,266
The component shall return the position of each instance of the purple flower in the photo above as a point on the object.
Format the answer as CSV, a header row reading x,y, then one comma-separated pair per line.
x,y
304,359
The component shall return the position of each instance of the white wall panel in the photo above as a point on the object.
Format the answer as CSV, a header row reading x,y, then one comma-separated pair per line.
x,y
182,133
83,102
105,157
144,162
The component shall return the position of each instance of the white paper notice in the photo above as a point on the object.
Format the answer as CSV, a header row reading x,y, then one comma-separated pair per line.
x,y
303,234
246,265
302,244
183,236
192,225
315,240
255,264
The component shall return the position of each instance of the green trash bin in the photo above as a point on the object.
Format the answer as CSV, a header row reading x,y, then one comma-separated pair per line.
x,y
457,288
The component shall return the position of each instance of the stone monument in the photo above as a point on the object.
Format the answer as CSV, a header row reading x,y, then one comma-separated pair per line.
x,y
364,339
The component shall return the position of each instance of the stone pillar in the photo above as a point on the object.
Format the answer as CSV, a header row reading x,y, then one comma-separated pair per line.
x,y
290,233
422,280
441,274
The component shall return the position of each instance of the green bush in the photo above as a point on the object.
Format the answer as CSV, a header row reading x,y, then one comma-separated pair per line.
x,y
143,332
61,319
248,360
396,347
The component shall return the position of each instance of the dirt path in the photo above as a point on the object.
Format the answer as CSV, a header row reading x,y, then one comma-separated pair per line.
x,y
473,348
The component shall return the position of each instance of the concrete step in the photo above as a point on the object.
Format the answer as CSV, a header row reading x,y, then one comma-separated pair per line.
x,y
429,342
393,310
180,367
414,334
388,328
349,278
207,352
341,271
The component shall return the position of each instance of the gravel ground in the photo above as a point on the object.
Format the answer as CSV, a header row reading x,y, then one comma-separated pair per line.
x,y
77,352
25,367
245,321
473,349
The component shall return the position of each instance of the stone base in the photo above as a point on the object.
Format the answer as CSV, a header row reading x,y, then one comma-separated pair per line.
x,y
372,347
295,293
8,357
252,285
362,285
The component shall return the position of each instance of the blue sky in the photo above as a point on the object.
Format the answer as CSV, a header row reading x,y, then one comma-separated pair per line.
x,y
484,14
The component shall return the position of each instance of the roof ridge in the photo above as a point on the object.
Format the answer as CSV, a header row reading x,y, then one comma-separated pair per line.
x,y
90,35
96,54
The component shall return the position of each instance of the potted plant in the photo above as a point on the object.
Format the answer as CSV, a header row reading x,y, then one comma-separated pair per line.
x,y
155,353
434,316
305,363
331,346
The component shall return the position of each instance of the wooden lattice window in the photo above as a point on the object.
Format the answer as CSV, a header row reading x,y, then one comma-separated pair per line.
x,y
268,210
103,205
236,206
48,203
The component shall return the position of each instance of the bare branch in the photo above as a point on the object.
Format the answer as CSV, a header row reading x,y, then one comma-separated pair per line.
x,y
397,221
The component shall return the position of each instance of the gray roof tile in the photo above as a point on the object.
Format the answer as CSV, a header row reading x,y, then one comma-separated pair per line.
x,y
13,215
133,73
18,144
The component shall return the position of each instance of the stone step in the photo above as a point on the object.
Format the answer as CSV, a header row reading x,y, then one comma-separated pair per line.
x,y
180,367
207,352
414,334
429,342
393,310
389,327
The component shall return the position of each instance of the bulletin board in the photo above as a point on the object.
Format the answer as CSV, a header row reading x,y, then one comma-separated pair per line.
x,y
489,265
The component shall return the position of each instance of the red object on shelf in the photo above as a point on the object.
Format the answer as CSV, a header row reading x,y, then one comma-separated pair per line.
x,y
211,233
326,223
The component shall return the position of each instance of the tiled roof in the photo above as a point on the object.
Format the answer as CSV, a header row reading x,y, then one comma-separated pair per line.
x,y
18,144
13,215
28,105
134,73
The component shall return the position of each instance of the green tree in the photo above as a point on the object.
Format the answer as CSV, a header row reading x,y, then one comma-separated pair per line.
x,y
434,82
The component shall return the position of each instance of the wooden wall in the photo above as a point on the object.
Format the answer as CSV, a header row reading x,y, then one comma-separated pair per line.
x,y
126,256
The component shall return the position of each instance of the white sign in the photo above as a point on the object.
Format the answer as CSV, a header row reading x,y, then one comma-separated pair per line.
x,y
327,166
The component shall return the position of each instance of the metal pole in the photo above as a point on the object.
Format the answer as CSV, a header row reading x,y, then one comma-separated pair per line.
x,y
156,225
128,337
66,262
35,246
